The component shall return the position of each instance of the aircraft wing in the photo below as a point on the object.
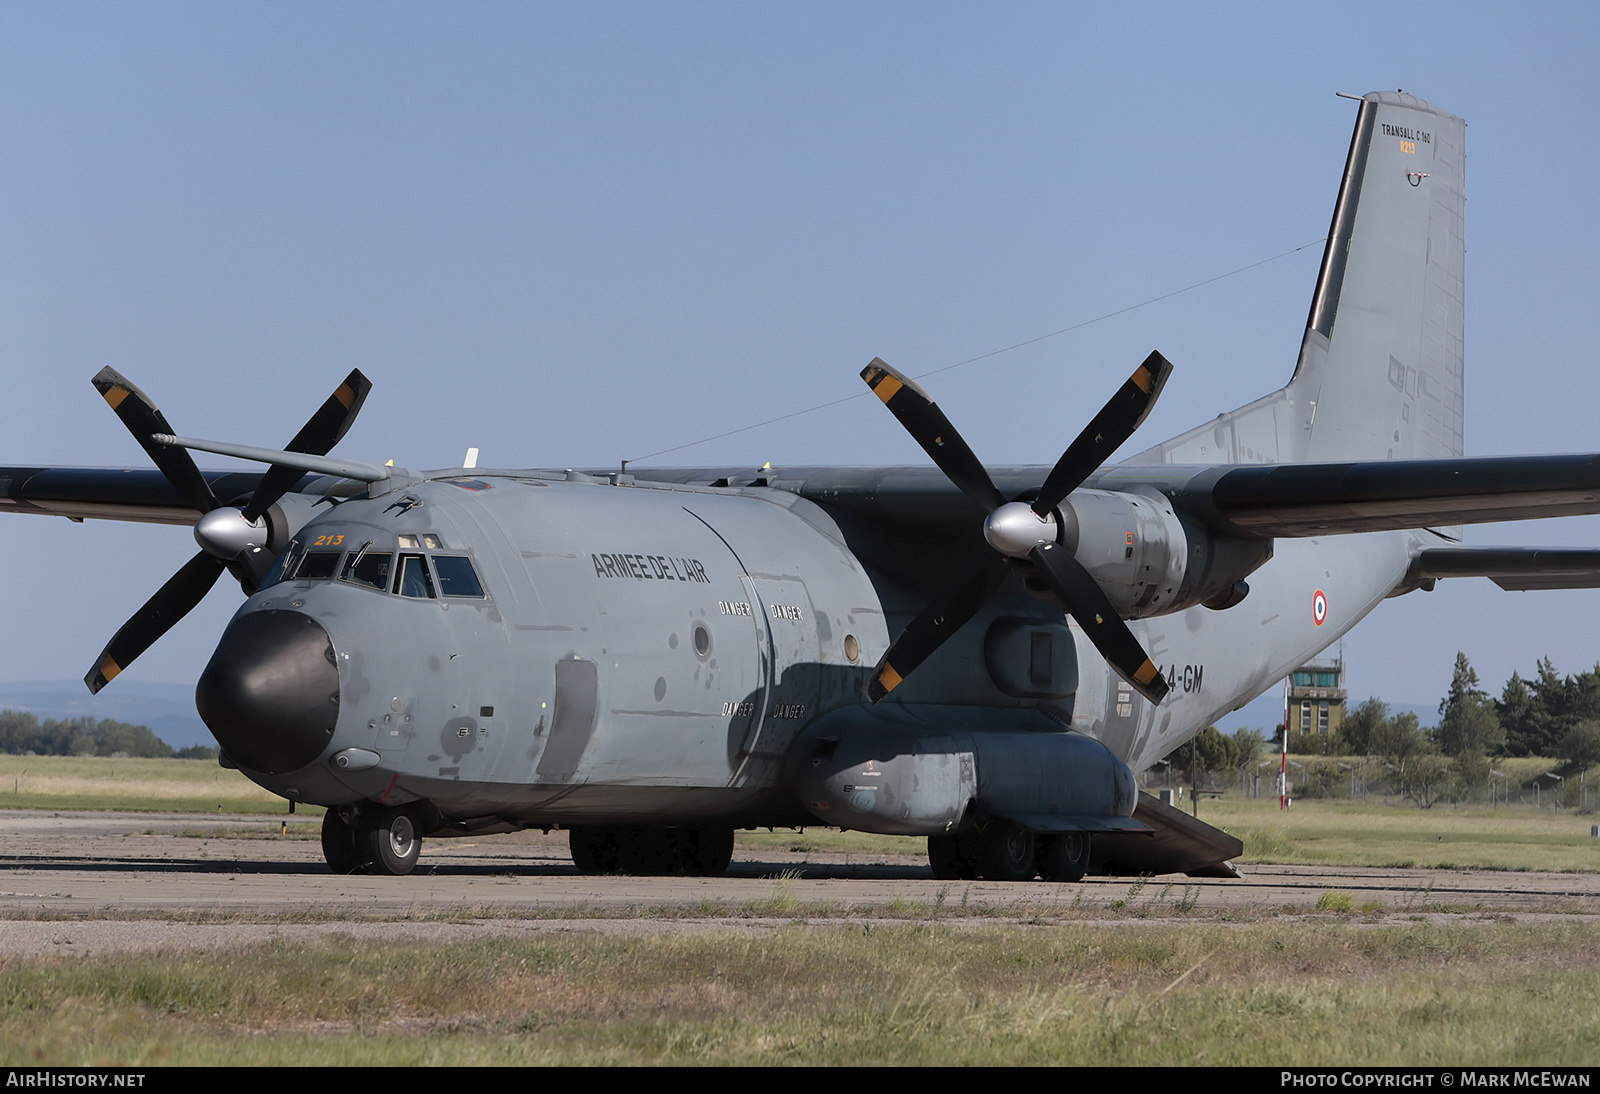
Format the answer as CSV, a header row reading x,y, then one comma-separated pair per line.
x,y
111,493
1299,500
1257,501
1253,501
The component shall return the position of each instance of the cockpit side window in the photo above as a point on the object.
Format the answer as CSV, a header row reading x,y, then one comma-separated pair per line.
x,y
413,579
456,576
285,564
370,568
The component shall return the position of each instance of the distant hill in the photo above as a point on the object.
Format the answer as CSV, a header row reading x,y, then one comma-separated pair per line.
x,y
168,709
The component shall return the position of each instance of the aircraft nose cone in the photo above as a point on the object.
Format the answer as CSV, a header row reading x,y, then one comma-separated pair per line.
x,y
271,692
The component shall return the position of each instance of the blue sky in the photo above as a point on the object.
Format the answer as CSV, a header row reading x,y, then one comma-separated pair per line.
x,y
573,234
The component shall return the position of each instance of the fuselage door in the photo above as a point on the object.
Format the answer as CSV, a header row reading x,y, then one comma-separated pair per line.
x,y
787,635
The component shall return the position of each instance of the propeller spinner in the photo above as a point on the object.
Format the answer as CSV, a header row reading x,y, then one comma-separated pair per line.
x,y
1022,533
230,538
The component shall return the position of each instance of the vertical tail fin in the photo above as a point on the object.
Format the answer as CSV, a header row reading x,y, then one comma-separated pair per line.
x,y
1380,368
1380,371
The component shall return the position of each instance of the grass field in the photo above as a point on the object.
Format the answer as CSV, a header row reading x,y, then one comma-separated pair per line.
x,y
99,782
1309,990
1352,833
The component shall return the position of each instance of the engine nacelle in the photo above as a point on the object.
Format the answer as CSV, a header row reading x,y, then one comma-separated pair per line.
x,y
1149,559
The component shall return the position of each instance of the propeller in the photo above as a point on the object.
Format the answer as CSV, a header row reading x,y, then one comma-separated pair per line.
x,y
1021,533
230,538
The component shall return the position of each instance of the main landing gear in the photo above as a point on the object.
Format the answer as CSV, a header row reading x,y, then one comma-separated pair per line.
x,y
701,852
1002,851
375,841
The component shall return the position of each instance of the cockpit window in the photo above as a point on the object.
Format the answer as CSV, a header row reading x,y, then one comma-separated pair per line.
x,y
318,566
297,564
413,580
370,568
456,576
413,575
285,564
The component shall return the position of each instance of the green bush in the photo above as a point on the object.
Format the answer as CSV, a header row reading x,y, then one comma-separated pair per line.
x,y
21,732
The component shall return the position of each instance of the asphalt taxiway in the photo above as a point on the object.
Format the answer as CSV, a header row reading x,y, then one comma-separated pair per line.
x,y
102,866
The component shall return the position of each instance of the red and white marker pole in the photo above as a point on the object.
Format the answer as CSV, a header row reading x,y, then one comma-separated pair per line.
x,y
1283,773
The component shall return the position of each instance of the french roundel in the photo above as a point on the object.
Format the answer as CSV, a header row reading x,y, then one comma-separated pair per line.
x,y
1319,607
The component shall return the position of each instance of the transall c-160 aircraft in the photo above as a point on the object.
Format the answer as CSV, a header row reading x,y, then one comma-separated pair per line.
x,y
980,655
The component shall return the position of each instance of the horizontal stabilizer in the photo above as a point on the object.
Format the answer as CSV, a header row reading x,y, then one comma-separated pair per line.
x,y
1181,845
1516,569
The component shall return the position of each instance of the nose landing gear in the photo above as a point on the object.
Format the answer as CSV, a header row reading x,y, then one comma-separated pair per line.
x,y
377,841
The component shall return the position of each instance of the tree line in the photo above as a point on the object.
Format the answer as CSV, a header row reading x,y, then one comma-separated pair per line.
x,y
1550,716
22,734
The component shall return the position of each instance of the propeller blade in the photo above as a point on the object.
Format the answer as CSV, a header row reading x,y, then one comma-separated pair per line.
x,y
172,602
142,418
939,620
1116,422
932,430
330,423
1088,604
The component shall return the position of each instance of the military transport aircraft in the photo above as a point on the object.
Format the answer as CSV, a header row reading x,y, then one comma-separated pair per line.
x,y
981,655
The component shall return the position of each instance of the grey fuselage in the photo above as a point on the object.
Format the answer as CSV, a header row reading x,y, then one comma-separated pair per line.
x,y
650,652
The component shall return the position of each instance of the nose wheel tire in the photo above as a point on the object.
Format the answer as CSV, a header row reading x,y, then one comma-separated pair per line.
x,y
339,843
1064,857
389,842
